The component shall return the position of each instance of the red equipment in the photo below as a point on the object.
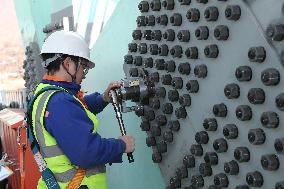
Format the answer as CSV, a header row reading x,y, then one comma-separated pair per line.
x,y
26,174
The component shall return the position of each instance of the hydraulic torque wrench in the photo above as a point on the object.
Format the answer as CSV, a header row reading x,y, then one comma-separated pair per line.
x,y
118,111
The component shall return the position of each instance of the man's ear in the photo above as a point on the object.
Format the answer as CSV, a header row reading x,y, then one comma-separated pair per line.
x,y
67,62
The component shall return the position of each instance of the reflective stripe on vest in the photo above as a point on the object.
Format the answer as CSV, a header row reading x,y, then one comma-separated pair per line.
x,y
46,151
54,150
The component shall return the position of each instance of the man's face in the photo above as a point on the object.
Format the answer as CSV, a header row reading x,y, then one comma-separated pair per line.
x,y
82,71
79,70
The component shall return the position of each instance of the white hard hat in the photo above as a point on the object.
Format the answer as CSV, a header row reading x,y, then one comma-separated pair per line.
x,y
69,43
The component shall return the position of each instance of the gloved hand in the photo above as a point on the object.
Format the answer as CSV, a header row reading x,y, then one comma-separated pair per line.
x,y
129,141
111,86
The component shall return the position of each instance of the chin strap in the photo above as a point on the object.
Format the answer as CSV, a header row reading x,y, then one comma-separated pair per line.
x,y
73,77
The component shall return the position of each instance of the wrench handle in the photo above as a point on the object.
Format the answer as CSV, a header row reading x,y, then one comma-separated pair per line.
x,y
130,157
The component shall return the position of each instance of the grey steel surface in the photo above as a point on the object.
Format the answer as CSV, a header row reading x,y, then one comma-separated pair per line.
x,y
248,31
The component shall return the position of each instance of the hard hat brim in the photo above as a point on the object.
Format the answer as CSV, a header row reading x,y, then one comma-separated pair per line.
x,y
91,64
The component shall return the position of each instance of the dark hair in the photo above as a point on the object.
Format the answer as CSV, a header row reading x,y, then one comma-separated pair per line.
x,y
55,65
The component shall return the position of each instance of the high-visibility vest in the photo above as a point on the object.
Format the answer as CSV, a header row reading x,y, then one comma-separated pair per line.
x,y
55,159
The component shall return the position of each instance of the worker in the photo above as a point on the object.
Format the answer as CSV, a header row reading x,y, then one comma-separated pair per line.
x,y
64,122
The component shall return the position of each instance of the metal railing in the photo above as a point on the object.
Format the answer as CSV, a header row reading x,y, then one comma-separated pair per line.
x,y
13,98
